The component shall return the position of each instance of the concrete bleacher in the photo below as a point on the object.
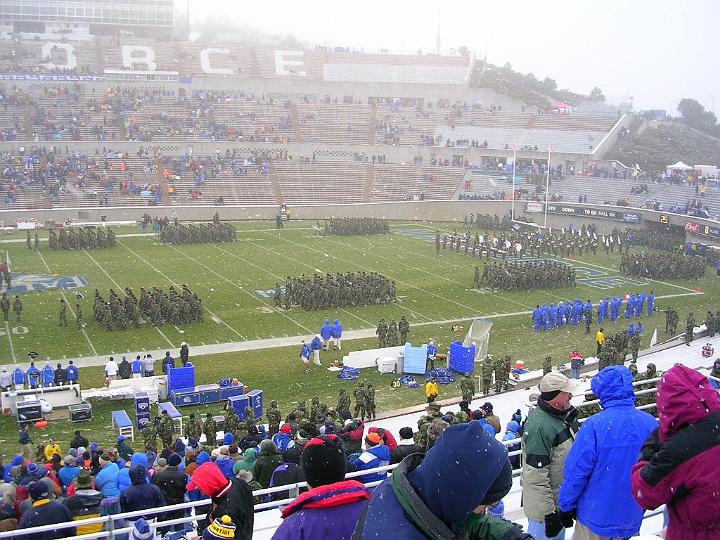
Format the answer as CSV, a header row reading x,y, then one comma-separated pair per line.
x,y
399,182
321,182
334,124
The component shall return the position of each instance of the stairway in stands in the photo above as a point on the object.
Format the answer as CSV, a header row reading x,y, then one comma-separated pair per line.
x,y
369,176
277,192
371,127
297,138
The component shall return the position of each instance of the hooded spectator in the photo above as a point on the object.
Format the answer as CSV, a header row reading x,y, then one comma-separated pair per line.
x,y
289,472
123,449
352,434
229,497
596,485
512,432
678,461
247,461
444,493
332,506
405,447
296,449
376,454
142,530
385,436
267,462
283,438
224,463
68,473
45,512
123,478
435,429
85,503
141,495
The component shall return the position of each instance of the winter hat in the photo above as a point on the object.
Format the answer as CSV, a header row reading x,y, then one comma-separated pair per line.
x,y
233,450
93,447
220,529
228,439
32,468
120,438
80,450
38,490
105,458
477,415
453,488
69,461
161,463
285,428
138,474
406,433
73,452
373,439
487,407
323,461
513,426
79,461
209,479
174,460
83,480
203,457
329,428
301,437
267,446
142,531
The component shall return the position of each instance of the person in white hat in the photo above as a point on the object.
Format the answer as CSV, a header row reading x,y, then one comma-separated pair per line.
x,y
547,438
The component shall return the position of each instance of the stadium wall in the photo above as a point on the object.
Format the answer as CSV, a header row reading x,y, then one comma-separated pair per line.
x,y
427,212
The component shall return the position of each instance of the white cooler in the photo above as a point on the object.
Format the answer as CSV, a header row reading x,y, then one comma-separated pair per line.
x,y
386,364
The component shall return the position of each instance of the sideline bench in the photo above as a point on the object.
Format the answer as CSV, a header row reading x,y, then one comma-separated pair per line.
x,y
123,423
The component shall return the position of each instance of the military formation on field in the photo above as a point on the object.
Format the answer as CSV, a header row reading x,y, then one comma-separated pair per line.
x,y
616,348
657,240
204,233
663,266
82,238
484,221
524,275
392,335
335,291
356,226
155,306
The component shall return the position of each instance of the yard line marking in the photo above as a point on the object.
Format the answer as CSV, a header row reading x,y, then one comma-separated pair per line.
x,y
12,349
122,291
244,291
69,304
280,277
363,268
212,315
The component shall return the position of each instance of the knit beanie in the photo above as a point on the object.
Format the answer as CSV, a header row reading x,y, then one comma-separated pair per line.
x,y
209,479
323,461
285,428
174,460
372,439
228,439
142,531
406,433
220,529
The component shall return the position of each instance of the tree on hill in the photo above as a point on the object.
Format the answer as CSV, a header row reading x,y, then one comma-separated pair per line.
x,y
695,115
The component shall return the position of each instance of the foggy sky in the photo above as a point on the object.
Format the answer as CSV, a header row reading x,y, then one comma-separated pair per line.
x,y
657,51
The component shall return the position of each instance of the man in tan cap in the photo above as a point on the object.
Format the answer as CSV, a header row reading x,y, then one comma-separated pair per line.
x,y
547,437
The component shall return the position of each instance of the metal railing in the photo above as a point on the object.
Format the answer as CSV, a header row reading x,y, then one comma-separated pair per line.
x,y
110,528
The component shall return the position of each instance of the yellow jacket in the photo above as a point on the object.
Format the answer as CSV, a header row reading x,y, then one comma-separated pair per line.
x,y
431,389
52,449
599,338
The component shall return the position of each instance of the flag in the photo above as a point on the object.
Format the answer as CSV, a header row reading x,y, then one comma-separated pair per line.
x,y
653,339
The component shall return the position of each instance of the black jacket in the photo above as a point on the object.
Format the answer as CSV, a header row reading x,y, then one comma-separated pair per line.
x,y
124,369
236,502
172,484
402,450
78,441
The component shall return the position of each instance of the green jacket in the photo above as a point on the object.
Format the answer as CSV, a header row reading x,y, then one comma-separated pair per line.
x,y
547,438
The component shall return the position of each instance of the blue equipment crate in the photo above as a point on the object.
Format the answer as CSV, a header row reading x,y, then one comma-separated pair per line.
x,y
238,404
462,359
229,391
181,378
209,393
142,403
142,420
185,397
256,402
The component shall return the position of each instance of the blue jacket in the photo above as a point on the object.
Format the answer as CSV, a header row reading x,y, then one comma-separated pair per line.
x,y
18,377
71,372
326,330
123,477
431,350
48,376
17,460
106,480
337,329
281,440
446,481
136,366
597,469
67,474
305,351
374,457
316,344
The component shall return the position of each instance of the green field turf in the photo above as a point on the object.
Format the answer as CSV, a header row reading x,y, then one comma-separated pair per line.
x,y
434,295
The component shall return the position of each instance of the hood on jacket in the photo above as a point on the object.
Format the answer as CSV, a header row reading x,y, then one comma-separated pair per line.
x,y
16,460
138,458
249,455
460,470
138,474
209,479
380,451
268,448
684,397
613,387
203,457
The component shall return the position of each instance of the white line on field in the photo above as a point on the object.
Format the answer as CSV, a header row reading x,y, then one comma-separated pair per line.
x,y
12,349
69,304
122,291
212,315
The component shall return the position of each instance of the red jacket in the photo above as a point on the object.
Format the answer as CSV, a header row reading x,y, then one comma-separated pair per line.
x,y
678,462
386,437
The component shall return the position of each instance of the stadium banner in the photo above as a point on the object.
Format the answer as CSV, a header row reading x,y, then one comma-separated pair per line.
x,y
692,227
593,212
533,206
40,77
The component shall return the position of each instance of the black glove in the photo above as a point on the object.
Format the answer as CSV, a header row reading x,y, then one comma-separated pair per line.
x,y
567,518
651,446
553,525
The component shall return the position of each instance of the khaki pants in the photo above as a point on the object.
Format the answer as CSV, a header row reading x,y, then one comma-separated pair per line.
x,y
581,532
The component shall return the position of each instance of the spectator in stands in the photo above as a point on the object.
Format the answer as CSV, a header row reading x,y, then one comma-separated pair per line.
x,y
68,473
141,495
406,446
511,433
267,462
332,506
123,478
172,484
547,437
436,494
490,417
596,487
289,472
434,430
246,462
678,461
106,482
229,497
44,511
79,440
376,454
85,503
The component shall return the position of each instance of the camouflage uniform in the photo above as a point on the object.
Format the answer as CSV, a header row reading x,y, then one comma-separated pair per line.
x,y
273,416
193,429
359,394
467,388
210,430
343,400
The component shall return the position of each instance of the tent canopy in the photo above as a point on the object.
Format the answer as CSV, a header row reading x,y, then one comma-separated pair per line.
x,y
680,166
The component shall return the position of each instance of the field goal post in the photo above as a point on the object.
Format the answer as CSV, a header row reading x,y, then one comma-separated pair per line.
x,y
479,335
